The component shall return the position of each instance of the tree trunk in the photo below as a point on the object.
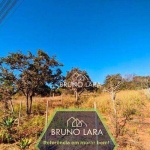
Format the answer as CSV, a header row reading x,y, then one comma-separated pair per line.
x,y
76,95
27,104
81,92
113,94
30,106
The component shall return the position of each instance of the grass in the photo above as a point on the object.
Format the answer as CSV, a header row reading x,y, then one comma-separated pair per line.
x,y
135,131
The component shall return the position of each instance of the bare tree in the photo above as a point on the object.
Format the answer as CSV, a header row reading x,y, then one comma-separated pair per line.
x,y
113,86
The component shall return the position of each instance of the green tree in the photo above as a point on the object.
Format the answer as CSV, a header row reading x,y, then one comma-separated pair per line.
x,y
29,73
7,90
78,81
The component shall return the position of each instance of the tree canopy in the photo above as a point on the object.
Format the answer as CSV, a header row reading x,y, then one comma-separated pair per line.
x,y
78,80
28,73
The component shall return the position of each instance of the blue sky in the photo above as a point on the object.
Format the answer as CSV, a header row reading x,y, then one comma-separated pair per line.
x,y
100,36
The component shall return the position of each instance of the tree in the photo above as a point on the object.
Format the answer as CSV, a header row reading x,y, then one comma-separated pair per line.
x,y
78,81
141,82
113,86
7,90
136,82
29,73
44,90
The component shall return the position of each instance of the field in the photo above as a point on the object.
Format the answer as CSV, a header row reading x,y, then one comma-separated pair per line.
x,y
133,118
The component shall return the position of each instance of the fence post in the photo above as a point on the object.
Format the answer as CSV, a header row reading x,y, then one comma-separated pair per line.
x,y
19,113
96,125
46,120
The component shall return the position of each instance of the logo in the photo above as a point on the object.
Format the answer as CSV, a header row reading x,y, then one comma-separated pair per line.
x,y
79,80
79,77
80,130
75,122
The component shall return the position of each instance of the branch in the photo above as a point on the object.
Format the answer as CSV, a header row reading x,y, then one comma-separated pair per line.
x,y
117,85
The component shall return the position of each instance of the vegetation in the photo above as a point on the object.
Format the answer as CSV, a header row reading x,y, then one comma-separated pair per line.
x,y
24,143
77,81
132,106
28,73
122,101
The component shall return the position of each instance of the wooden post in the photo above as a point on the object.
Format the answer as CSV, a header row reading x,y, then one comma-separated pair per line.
x,y
96,125
76,95
11,104
19,113
61,100
95,105
46,120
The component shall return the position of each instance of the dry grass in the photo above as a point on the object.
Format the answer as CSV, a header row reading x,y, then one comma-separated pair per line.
x,y
136,132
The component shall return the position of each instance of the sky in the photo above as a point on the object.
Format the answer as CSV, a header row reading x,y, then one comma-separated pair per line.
x,y
100,36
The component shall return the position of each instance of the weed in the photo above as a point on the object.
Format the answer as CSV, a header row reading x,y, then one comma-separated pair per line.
x,y
24,143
